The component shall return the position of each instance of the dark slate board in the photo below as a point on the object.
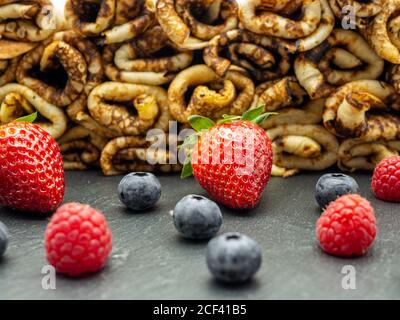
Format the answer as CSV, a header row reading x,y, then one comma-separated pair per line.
x,y
150,261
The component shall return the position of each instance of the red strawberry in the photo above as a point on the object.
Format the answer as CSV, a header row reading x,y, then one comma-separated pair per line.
x,y
232,160
31,168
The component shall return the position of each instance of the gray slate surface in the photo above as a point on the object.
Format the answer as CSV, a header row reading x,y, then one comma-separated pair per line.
x,y
150,261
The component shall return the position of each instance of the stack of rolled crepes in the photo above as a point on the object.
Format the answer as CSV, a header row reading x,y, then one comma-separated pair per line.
x,y
112,70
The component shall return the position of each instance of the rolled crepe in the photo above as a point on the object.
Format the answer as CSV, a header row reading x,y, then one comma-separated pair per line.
x,y
345,56
275,19
212,95
64,70
89,17
308,113
185,30
302,147
361,13
81,148
111,21
361,9
111,103
24,22
134,62
311,145
262,58
364,108
393,77
132,18
127,154
17,100
365,154
382,31
278,94
7,70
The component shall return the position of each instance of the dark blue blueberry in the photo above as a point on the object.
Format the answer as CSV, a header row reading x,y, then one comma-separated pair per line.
x,y
197,217
233,257
3,239
139,190
333,185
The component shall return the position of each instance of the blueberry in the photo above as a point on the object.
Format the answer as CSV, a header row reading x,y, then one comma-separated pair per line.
x,y
197,217
233,257
3,239
333,185
139,190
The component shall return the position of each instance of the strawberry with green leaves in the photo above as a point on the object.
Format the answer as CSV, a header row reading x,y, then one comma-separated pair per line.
x,y
31,167
231,159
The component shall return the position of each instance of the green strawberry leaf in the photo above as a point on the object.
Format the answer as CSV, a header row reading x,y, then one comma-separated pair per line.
x,y
29,118
228,116
187,169
228,119
252,114
200,123
261,118
187,146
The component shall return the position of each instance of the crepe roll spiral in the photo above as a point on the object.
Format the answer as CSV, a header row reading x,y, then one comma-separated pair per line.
x,y
302,147
365,154
90,17
393,76
81,148
134,61
345,56
212,96
275,19
263,58
112,104
24,22
17,100
10,53
383,31
63,70
363,109
361,9
309,113
7,70
191,24
132,18
127,154
278,94
66,51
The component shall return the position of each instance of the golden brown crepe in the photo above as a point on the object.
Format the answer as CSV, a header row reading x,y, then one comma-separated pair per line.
x,y
17,100
345,56
186,30
275,19
109,105
212,95
133,62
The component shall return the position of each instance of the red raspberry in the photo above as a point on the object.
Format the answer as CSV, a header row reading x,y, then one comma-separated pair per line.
x,y
386,180
77,240
347,227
